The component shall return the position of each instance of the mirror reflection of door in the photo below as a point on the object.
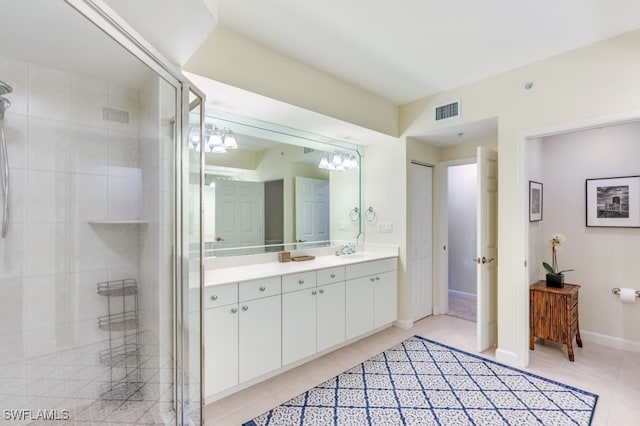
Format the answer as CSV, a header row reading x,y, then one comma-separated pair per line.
x,y
312,210
239,218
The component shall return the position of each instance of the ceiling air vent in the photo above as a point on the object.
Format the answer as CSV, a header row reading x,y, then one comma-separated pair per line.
x,y
449,110
116,115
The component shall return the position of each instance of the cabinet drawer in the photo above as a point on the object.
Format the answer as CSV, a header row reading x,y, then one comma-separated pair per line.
x,y
220,295
256,289
299,281
371,268
330,275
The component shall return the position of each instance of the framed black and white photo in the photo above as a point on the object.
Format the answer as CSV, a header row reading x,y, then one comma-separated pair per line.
x,y
535,201
614,202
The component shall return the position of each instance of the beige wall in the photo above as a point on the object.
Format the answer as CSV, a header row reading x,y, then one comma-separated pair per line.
x,y
231,59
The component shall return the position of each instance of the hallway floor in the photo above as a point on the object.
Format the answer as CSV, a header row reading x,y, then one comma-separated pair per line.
x,y
612,374
462,307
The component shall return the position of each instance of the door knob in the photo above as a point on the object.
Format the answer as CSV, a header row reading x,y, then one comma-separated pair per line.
x,y
483,260
219,239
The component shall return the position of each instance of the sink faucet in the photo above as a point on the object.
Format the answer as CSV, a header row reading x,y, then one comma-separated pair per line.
x,y
348,248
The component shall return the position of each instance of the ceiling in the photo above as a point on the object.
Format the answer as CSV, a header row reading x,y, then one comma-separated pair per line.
x,y
407,50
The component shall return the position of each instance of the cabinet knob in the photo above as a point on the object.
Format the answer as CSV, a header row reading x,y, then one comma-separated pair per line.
x,y
300,281
314,292
333,275
377,278
234,310
245,308
262,288
372,279
214,297
321,290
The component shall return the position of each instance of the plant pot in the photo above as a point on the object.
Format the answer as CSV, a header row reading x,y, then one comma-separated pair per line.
x,y
555,280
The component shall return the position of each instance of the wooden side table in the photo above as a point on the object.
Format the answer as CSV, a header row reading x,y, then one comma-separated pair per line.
x,y
553,315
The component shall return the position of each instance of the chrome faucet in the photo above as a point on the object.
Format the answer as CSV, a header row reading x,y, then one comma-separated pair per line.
x,y
348,248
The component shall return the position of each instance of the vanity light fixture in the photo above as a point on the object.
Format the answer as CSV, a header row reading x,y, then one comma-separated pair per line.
x,y
217,141
339,161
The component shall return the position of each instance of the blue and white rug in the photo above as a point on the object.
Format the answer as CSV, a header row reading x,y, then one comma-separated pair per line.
x,y
421,382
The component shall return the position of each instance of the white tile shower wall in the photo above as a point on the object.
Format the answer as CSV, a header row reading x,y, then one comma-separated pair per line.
x,y
68,166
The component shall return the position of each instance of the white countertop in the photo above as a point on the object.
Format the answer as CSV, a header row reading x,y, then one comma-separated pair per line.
x,y
263,270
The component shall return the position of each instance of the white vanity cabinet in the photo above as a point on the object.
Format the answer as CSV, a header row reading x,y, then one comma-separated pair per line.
x,y
313,318
371,296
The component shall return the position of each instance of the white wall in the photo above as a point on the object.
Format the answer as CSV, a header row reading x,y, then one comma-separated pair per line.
x,y
462,191
602,257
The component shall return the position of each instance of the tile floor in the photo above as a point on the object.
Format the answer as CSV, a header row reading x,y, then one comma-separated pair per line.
x,y
76,381
612,374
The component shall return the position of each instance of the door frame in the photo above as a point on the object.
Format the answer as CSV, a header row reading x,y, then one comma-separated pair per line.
x,y
521,357
442,307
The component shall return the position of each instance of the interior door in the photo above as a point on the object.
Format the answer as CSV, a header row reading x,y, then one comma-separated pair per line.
x,y
487,253
312,209
239,214
420,240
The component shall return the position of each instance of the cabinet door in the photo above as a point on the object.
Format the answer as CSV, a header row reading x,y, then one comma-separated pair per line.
x,y
259,341
298,325
359,306
221,348
330,315
385,298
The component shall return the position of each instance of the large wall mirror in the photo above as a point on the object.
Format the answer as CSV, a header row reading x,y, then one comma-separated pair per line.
x,y
272,188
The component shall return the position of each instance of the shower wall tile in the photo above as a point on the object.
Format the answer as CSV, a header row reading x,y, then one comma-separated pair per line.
x,y
89,247
13,252
47,196
12,303
47,298
123,149
18,196
125,99
16,74
123,197
49,93
88,97
84,286
48,145
16,130
88,147
124,247
88,197
47,248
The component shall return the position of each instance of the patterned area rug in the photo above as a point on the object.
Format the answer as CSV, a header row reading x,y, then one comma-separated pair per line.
x,y
421,382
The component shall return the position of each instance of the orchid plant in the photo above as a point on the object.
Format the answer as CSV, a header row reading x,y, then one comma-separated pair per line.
x,y
555,241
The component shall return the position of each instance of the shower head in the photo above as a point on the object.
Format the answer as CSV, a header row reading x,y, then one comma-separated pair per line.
x,y
5,88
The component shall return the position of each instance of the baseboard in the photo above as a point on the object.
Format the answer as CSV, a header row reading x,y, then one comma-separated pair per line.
x,y
404,324
509,358
463,294
613,342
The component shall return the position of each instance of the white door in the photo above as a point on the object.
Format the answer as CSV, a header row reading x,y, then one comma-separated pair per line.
x,y
330,315
385,298
420,240
487,253
298,325
359,306
312,209
221,343
239,214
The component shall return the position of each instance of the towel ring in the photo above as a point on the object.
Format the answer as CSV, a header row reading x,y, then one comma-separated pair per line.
x,y
370,215
354,214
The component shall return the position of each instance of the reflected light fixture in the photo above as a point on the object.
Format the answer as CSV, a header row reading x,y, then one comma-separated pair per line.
x,y
339,161
217,141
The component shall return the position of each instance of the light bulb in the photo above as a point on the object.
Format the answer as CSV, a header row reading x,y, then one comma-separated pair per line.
x,y
324,163
230,140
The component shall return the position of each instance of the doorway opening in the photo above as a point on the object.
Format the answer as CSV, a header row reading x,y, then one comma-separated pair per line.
x,y
462,188
274,215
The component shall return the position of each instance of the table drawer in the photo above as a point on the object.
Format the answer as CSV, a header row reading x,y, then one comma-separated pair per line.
x,y
330,275
220,295
256,289
299,281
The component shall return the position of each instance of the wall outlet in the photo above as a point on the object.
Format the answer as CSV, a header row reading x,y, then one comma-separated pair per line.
x,y
385,227
344,226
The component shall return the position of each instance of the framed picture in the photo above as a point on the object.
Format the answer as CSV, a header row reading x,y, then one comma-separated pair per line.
x,y
535,201
614,202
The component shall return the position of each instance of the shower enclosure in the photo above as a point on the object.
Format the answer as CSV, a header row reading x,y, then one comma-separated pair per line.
x,y
99,294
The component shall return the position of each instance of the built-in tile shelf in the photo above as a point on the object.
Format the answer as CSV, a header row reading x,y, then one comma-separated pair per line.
x,y
118,222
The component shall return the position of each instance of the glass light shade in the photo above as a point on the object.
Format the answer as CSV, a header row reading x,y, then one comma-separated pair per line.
x,y
324,163
354,162
337,159
215,139
230,140
218,149
194,134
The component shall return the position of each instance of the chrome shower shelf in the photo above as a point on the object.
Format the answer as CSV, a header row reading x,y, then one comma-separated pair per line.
x,y
119,322
118,288
126,354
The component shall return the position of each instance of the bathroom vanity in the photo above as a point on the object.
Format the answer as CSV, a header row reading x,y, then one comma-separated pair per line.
x,y
262,319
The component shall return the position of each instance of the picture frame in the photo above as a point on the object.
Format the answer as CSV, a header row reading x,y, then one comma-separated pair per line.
x,y
535,201
613,202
